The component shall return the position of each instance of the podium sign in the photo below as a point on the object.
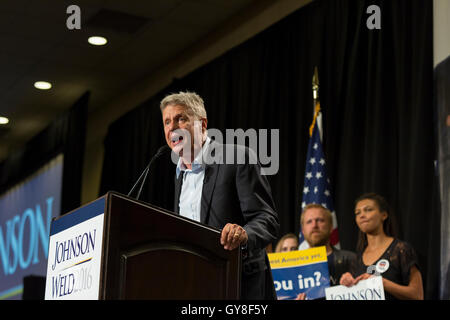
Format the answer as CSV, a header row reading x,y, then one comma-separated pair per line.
x,y
75,252
117,247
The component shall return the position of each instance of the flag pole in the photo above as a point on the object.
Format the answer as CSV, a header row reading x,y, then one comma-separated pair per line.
x,y
316,185
315,85
316,102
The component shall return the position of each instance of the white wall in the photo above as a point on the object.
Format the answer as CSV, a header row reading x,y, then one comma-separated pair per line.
x,y
441,30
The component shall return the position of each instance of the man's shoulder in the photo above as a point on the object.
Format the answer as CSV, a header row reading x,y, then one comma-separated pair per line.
x,y
229,147
231,154
341,254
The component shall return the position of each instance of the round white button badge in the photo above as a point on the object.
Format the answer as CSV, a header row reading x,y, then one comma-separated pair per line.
x,y
382,266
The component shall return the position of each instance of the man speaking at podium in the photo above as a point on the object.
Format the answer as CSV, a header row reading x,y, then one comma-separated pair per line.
x,y
223,191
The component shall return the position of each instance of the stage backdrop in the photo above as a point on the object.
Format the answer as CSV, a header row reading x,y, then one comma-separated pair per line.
x,y
29,197
26,211
376,89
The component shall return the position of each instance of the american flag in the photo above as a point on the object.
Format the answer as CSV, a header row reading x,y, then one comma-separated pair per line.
x,y
316,186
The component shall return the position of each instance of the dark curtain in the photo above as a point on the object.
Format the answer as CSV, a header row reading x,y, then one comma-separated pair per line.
x,y
442,101
66,135
130,143
376,91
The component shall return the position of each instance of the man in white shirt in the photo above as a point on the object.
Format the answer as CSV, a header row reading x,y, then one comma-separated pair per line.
x,y
234,197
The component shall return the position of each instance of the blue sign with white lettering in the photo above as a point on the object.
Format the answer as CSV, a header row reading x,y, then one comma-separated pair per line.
x,y
300,271
310,279
26,212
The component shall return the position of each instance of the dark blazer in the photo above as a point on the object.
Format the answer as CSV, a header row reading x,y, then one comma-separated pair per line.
x,y
238,193
343,262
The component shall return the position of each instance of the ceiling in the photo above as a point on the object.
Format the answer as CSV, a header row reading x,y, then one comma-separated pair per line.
x,y
36,45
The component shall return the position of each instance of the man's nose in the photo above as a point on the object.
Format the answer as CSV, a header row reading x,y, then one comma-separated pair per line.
x,y
173,125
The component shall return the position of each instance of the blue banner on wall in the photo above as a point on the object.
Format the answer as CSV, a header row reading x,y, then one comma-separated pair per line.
x,y
26,211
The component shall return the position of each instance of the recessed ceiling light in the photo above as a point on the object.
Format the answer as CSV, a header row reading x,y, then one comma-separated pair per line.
x,y
97,41
42,85
4,120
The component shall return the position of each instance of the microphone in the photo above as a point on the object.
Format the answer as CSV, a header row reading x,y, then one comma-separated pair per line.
x,y
144,173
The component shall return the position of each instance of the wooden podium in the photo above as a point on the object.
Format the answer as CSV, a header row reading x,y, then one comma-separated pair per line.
x,y
146,253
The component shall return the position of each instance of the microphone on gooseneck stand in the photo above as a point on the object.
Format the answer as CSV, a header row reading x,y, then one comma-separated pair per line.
x,y
144,173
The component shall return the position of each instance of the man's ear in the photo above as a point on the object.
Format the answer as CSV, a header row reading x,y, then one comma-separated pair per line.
x,y
204,124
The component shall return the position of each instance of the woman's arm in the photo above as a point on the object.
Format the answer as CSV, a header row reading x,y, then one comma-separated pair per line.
x,y
413,291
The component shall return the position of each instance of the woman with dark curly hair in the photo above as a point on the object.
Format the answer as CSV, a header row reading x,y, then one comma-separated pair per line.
x,y
381,253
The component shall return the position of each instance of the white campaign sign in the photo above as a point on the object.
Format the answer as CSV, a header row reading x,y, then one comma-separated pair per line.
x,y
369,289
74,261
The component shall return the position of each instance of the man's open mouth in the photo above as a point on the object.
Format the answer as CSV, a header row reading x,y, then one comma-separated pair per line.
x,y
176,139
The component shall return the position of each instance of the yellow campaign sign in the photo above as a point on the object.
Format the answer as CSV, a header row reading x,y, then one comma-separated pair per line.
x,y
297,258
304,271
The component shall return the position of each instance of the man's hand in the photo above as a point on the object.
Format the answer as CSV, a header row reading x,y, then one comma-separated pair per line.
x,y
301,296
232,236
